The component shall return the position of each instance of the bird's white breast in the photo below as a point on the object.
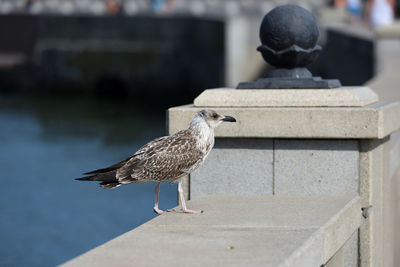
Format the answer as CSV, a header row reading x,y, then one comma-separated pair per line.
x,y
205,140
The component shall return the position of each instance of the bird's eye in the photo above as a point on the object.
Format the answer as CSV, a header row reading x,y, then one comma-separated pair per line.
x,y
215,115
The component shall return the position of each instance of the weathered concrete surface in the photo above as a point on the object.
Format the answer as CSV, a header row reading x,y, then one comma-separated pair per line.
x,y
374,121
396,215
337,260
281,166
351,254
374,182
338,97
341,227
235,167
278,166
237,231
385,83
316,167
394,153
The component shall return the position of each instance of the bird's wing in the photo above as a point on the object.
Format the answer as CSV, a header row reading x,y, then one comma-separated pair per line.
x,y
150,144
170,158
122,163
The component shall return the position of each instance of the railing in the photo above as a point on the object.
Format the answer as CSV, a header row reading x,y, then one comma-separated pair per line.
x,y
293,183
238,231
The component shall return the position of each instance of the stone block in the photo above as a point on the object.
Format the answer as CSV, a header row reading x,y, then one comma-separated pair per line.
x,y
279,212
396,196
179,245
316,167
308,254
282,231
340,97
392,122
374,121
388,211
374,182
350,251
394,153
336,260
239,167
342,227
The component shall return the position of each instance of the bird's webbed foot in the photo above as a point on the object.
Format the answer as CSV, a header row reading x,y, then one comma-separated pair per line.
x,y
191,211
158,211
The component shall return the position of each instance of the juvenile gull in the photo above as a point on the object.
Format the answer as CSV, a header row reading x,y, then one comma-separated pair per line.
x,y
166,158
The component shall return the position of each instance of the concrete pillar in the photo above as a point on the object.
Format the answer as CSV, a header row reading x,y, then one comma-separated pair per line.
x,y
336,260
385,83
302,142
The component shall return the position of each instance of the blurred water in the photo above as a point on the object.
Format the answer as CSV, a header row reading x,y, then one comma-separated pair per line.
x,y
46,217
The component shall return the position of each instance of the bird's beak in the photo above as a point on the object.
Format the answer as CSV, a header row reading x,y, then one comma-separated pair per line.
x,y
229,118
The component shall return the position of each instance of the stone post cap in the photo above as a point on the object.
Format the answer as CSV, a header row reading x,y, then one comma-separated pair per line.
x,y
341,97
374,121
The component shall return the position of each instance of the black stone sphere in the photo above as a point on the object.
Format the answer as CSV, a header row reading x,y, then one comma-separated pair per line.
x,y
289,35
287,25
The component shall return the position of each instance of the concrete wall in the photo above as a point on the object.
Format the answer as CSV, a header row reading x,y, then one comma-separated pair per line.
x,y
247,166
385,83
278,166
282,167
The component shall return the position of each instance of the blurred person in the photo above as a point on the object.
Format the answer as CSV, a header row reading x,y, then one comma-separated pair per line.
x,y
354,8
114,7
379,12
339,3
161,6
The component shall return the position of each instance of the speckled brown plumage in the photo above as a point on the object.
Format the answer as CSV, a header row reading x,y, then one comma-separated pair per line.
x,y
166,158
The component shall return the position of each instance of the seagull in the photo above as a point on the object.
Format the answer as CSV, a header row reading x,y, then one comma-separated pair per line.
x,y
166,158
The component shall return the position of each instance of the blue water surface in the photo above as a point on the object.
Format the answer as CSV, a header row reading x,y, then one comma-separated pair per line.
x,y
46,217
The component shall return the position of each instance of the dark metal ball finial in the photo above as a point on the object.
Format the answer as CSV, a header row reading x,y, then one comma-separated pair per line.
x,y
289,35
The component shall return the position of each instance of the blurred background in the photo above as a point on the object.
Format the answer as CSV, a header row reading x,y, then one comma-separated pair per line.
x,y
85,83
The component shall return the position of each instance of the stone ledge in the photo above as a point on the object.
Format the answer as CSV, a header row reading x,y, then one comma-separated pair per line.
x,y
237,231
389,31
374,121
339,97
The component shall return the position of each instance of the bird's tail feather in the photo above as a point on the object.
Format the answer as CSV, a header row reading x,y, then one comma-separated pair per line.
x,y
107,180
88,178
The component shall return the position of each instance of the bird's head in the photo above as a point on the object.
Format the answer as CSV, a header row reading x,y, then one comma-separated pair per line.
x,y
211,117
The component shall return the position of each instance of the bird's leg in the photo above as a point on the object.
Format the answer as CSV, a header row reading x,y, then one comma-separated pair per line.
x,y
156,209
183,203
